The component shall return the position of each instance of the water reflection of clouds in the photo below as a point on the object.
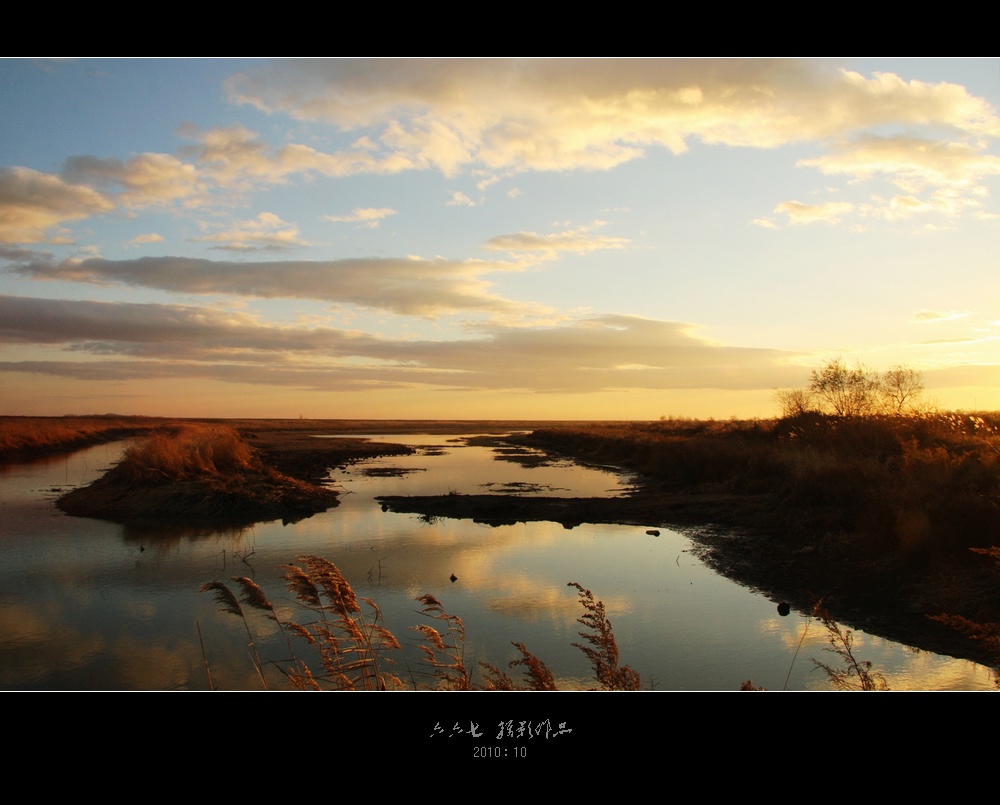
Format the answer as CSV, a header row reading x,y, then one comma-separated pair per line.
x,y
84,606
36,648
904,667
141,666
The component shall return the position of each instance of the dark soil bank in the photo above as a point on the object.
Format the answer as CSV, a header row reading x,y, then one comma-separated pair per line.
x,y
304,456
283,479
844,540
892,598
872,519
251,497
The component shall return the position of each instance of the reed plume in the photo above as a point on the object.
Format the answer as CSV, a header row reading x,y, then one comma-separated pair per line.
x,y
536,673
228,603
603,649
446,653
356,650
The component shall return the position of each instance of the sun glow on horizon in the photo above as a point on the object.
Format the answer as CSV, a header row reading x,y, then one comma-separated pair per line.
x,y
489,238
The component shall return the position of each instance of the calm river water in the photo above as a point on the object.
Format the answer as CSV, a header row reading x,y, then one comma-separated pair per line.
x,y
91,605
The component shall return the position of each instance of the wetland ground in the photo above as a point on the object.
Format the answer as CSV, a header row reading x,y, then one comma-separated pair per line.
x,y
875,518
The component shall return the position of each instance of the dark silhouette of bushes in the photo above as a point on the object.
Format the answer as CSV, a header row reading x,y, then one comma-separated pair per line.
x,y
923,481
858,391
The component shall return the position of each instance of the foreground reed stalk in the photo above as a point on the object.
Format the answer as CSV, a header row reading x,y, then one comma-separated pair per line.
x,y
357,652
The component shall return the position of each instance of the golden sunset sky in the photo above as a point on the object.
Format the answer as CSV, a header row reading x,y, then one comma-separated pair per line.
x,y
572,239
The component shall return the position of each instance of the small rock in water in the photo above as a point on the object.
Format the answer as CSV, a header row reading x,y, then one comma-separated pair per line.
x,y
784,609
653,532
454,578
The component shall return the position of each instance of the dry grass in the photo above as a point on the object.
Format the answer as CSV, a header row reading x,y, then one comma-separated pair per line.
x,y
603,650
26,436
444,653
985,634
357,652
850,673
23,437
185,452
929,481
896,499
354,648
195,471
537,675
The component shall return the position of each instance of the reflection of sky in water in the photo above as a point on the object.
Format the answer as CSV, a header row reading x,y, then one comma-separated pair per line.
x,y
88,604
475,471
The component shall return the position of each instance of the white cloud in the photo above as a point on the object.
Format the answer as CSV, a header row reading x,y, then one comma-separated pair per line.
x,y
366,216
494,118
143,180
911,163
149,237
266,232
898,207
408,286
237,157
459,199
33,203
940,315
103,340
801,213
559,114
571,240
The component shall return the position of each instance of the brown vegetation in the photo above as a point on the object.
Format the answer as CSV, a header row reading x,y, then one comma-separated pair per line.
x,y
357,652
874,513
850,673
195,471
859,391
185,452
986,635
922,483
27,437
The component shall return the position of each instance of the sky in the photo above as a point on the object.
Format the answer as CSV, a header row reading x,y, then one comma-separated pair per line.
x,y
492,239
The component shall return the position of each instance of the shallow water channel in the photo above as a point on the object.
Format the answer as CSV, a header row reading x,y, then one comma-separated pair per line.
x,y
91,605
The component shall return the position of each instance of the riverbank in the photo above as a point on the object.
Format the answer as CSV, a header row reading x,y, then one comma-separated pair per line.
x,y
874,518
231,472
25,438
892,596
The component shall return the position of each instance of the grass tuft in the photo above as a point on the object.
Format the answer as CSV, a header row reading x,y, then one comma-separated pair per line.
x,y
187,452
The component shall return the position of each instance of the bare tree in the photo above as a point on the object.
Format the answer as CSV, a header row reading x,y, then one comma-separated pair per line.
x,y
845,391
795,402
901,387
839,389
